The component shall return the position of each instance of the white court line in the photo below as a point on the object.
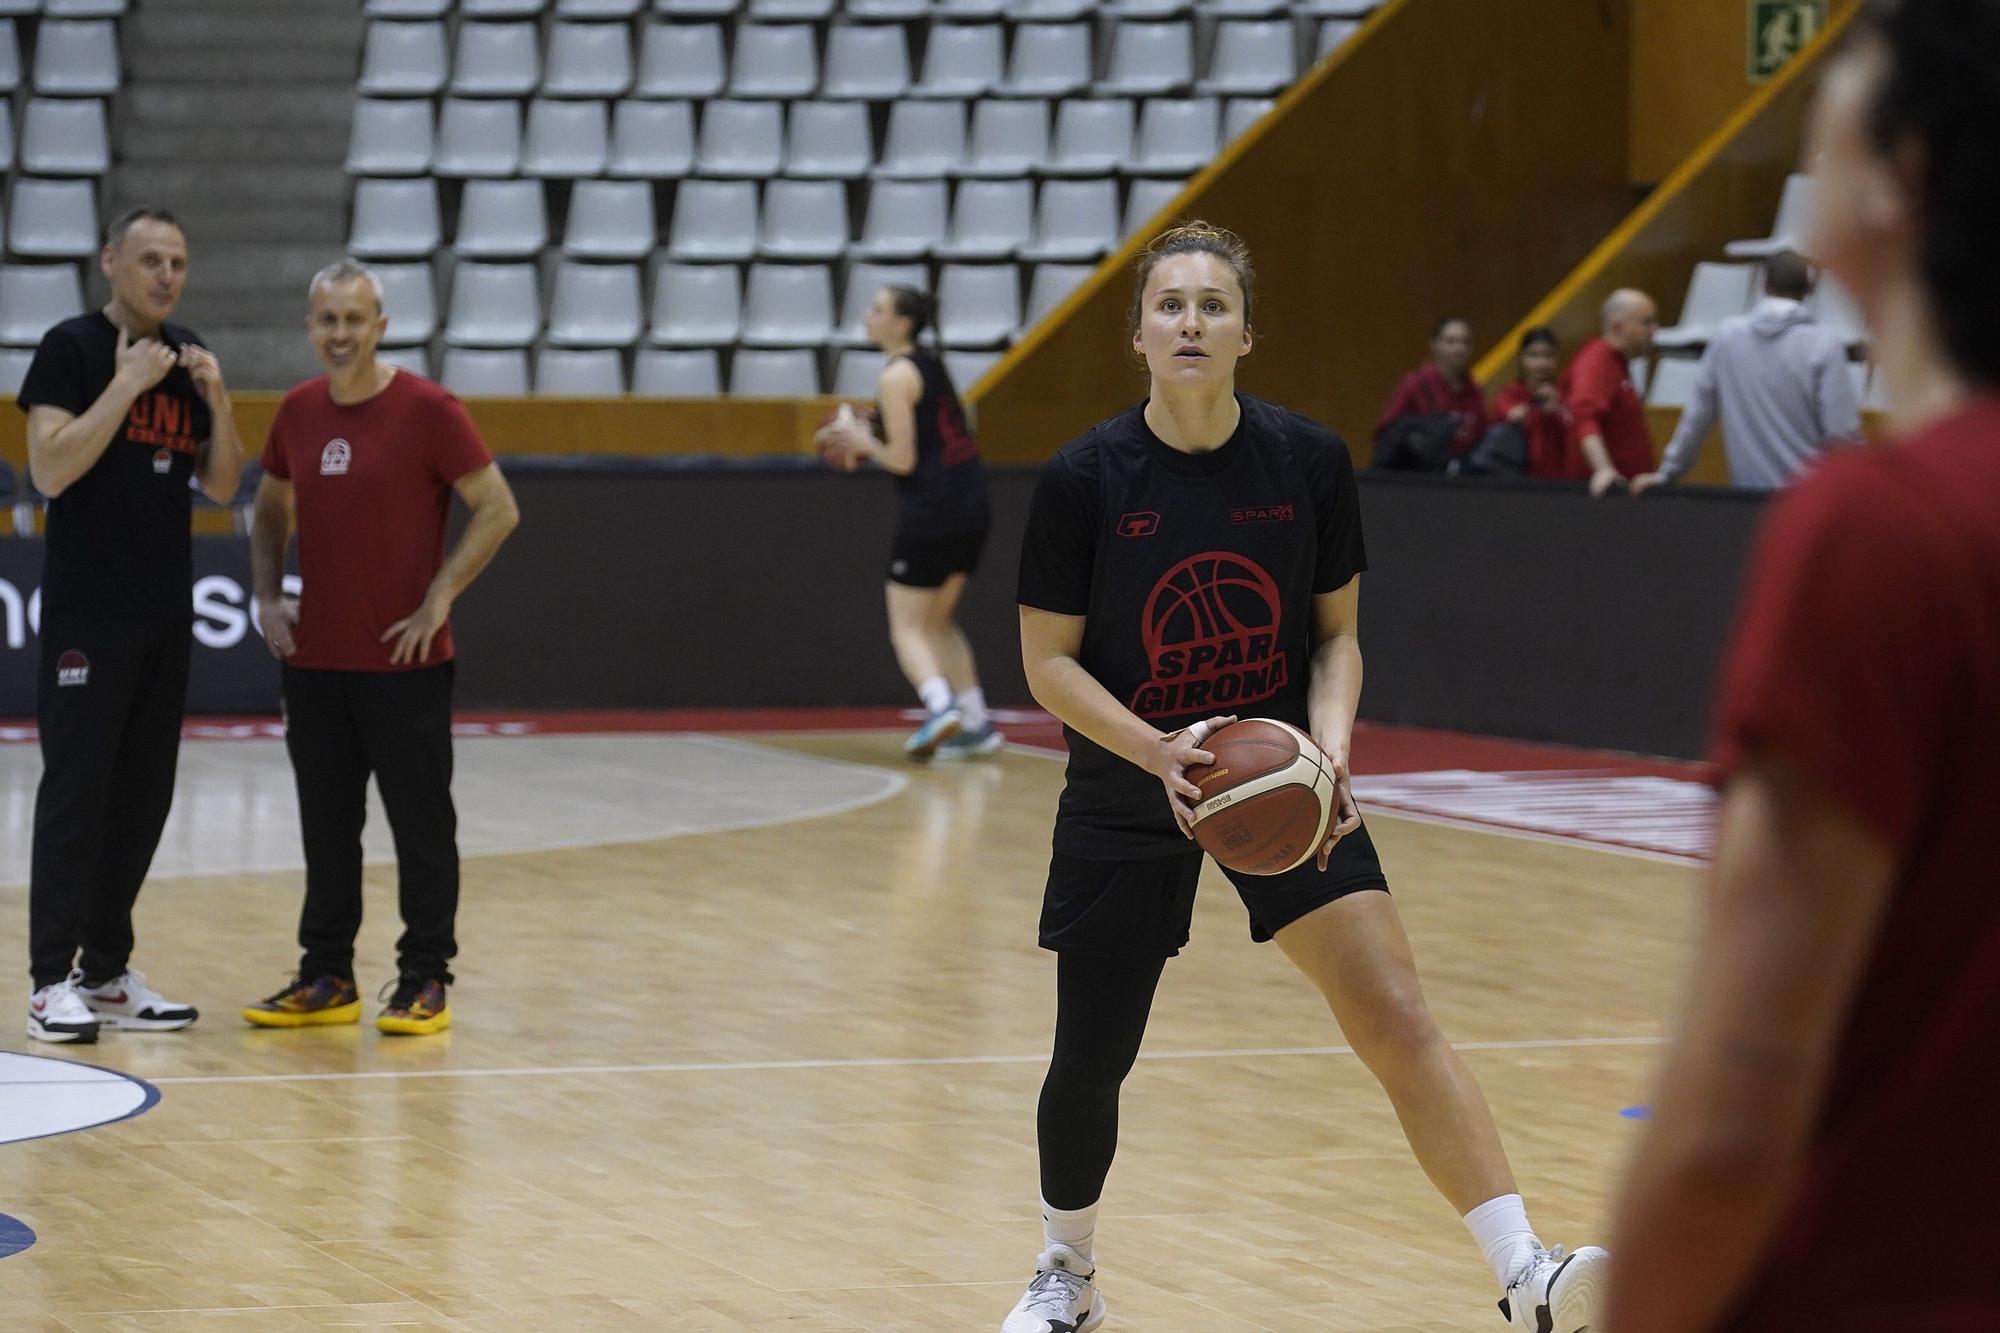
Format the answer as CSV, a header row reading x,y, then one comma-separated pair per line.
x,y
884,1062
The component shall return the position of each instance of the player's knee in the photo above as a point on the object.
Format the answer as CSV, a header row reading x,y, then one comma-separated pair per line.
x,y
1396,1029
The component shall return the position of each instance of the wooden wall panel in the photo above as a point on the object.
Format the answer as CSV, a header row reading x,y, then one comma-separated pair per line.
x,y
1437,164
1728,189
1690,71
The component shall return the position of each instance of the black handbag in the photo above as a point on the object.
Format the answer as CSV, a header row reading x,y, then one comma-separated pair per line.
x,y
1501,452
1420,442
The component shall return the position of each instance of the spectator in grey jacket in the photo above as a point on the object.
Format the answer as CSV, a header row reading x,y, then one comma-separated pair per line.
x,y
1781,382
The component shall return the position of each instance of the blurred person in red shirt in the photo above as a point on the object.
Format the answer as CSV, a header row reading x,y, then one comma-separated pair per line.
x,y
1821,1150
1534,404
1442,385
1608,439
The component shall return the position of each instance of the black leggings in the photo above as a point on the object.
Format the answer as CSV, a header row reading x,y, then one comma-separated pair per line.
x,y
1102,1001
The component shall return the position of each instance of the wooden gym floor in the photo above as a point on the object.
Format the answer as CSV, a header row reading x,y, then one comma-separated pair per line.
x,y
749,1032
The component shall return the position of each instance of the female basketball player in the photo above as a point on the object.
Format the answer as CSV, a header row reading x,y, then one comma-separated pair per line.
x,y
1204,493
924,441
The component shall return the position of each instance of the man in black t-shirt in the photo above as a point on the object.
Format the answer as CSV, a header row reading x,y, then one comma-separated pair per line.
x,y
124,410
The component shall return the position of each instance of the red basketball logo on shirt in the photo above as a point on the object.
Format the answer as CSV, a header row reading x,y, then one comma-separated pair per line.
x,y
72,668
1211,631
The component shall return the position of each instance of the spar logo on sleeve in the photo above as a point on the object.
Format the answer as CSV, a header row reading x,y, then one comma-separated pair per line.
x,y
72,668
334,458
1211,633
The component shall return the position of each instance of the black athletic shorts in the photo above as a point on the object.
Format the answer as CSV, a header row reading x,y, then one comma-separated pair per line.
x,y
926,562
1145,907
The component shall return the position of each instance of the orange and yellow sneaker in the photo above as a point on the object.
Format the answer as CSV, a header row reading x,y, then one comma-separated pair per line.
x,y
417,1008
308,1002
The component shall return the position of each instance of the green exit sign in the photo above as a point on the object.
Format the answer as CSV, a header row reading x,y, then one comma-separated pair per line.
x,y
1779,30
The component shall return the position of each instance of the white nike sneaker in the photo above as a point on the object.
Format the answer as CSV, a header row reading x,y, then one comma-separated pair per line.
x,y
1558,1292
128,1004
58,1013
1063,1298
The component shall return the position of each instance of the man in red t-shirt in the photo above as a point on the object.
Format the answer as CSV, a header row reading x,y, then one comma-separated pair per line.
x,y
1608,439
367,458
1821,1154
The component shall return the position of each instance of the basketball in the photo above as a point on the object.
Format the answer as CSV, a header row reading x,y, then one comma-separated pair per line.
x,y
824,440
1267,800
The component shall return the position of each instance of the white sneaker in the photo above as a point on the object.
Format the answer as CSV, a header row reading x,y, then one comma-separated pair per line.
x,y
58,1013
128,1004
1063,1298
1557,1292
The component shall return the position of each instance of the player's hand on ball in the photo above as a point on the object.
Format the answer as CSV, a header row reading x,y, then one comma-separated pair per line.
x,y
839,447
1173,755
1346,814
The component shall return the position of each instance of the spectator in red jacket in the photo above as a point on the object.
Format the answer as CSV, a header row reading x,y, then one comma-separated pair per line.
x,y
1442,385
1534,403
1608,439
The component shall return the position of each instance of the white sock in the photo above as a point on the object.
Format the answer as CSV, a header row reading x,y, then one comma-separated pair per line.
x,y
1500,1229
1076,1229
936,694
972,704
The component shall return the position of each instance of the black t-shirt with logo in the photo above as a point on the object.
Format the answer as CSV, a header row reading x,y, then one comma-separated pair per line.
x,y
119,539
1196,574
945,495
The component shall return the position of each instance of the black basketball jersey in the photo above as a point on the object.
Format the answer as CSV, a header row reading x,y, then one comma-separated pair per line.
x,y
1196,574
945,495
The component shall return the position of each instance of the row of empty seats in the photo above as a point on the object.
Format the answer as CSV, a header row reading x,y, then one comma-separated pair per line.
x,y
696,178
63,9
732,138
666,372
981,306
73,58
891,11
55,142
661,372
861,62
726,221
694,310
